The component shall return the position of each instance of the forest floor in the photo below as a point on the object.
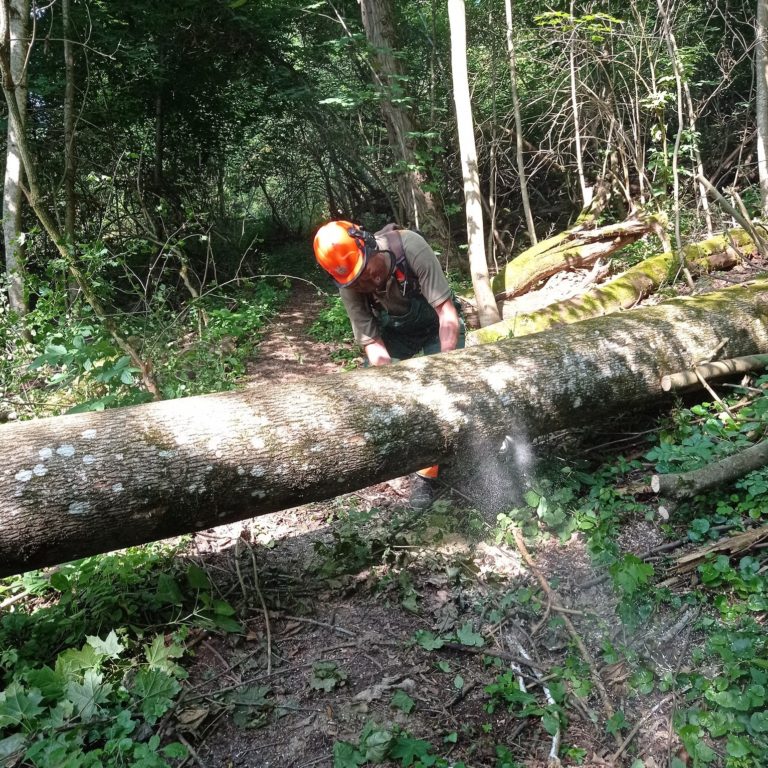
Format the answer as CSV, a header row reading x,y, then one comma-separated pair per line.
x,y
345,604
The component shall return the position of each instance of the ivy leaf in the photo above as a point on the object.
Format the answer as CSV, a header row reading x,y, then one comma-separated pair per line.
x,y
88,695
109,647
18,705
155,690
467,636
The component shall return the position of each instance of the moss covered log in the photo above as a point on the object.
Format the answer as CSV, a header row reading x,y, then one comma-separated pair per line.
x,y
625,291
76,485
573,249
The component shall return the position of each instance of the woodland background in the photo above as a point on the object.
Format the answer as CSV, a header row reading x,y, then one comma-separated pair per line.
x,y
166,165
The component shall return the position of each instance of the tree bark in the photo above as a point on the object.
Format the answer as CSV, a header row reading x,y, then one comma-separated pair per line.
x,y
14,25
86,483
722,369
684,485
572,249
761,100
487,311
626,290
420,208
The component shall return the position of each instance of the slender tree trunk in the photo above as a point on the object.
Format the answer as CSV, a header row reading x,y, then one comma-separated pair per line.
x,y
521,174
421,209
586,192
487,310
70,207
14,26
81,484
46,219
761,100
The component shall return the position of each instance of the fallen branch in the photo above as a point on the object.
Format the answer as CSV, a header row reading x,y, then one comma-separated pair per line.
x,y
721,369
684,485
733,545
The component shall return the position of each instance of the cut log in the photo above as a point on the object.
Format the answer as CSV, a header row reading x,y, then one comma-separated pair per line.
x,y
720,252
572,249
77,485
684,485
722,369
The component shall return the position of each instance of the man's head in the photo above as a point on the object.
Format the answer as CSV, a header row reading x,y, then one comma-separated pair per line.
x,y
351,256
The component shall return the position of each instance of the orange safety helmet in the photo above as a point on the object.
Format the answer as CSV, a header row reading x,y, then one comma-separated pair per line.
x,y
342,249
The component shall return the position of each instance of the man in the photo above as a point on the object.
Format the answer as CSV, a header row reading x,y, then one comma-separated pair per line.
x,y
397,299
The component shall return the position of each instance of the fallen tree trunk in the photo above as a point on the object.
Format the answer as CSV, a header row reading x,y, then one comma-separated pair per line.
x,y
720,252
684,485
87,483
572,249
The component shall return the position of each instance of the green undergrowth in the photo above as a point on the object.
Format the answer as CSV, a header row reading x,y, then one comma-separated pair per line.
x,y
720,682
64,360
91,656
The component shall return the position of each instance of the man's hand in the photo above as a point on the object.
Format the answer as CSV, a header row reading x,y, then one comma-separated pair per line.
x,y
377,353
449,325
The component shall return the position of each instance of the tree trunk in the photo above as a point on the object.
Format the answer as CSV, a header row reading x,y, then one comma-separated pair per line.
x,y
569,250
70,207
420,208
86,483
487,311
625,291
518,125
761,100
14,23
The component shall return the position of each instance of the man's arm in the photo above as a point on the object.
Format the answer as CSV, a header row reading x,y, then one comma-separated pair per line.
x,y
449,325
377,353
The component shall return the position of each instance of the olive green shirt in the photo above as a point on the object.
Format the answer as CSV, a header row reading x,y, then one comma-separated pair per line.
x,y
432,284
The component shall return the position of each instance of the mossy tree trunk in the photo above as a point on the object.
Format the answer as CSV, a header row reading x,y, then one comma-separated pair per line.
x,y
625,291
575,248
87,483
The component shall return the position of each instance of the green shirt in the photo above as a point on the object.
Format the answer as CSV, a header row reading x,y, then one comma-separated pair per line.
x,y
432,284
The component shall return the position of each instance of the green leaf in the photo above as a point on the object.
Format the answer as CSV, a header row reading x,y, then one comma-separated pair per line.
x,y
532,499
155,691
168,592
109,647
458,682
402,701
408,750
616,722
326,675
88,695
59,581
346,755
197,578
377,743
467,636
18,705
428,640
160,656
174,750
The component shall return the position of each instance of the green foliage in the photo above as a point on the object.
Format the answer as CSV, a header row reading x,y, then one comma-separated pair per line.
x,y
87,709
332,324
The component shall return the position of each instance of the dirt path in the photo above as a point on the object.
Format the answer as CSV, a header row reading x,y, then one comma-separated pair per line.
x,y
287,352
332,597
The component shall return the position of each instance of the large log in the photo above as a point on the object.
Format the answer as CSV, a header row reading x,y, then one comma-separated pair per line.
x,y
76,485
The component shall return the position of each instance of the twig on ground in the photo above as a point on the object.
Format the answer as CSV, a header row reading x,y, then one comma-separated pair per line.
x,y
638,725
605,700
491,652
267,627
315,623
191,751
